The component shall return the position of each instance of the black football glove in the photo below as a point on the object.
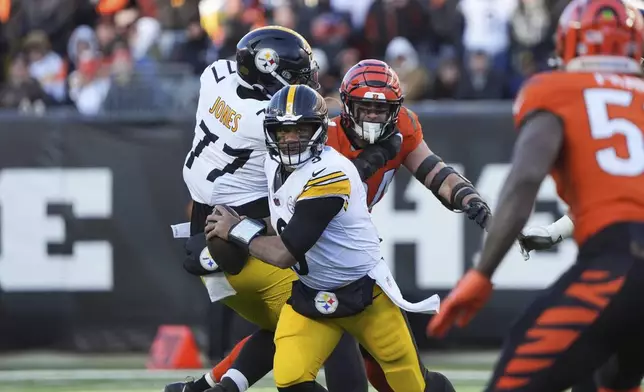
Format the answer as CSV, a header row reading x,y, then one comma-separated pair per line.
x,y
478,211
375,156
198,261
391,145
536,238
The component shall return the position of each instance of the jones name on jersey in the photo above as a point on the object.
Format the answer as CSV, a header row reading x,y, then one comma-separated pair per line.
x,y
226,162
349,246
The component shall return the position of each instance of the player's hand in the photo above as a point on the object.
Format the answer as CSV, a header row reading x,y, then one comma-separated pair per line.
x,y
462,304
219,222
391,145
536,238
478,211
383,150
375,156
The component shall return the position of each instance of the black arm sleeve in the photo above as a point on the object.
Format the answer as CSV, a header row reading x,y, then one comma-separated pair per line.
x,y
309,220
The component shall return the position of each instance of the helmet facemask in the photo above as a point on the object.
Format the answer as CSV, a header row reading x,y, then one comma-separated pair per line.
x,y
307,77
372,119
293,143
287,77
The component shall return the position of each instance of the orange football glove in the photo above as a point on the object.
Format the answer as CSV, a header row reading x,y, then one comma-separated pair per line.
x,y
462,304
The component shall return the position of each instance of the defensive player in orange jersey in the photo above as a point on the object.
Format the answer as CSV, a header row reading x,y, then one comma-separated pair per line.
x,y
372,113
618,374
584,125
380,135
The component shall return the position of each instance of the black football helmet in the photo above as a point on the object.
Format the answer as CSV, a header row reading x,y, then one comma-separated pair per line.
x,y
272,57
295,125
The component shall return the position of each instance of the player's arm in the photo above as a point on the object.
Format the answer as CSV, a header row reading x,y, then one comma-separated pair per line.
x,y
535,153
320,201
310,219
270,230
453,190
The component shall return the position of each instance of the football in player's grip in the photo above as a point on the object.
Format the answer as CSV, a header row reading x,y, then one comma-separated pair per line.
x,y
229,256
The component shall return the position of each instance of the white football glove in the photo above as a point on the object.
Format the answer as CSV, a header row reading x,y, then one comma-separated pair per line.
x,y
545,237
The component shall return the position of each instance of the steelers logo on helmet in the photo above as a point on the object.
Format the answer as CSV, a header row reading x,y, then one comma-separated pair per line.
x,y
266,60
326,302
206,260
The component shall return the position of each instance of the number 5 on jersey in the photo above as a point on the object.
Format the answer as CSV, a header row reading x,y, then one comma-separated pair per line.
x,y
602,126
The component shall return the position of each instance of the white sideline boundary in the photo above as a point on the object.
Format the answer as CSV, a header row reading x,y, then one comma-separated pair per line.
x,y
178,375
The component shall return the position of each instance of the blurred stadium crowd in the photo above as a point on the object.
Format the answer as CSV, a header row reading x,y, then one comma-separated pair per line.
x,y
113,55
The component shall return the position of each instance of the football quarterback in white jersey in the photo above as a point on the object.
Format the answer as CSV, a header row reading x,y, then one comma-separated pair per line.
x,y
325,233
226,166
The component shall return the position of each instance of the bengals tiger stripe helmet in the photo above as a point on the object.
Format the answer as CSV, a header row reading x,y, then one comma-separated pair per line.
x,y
371,98
600,34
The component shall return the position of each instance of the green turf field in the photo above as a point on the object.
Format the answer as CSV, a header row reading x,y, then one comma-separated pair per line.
x,y
61,372
70,380
126,388
142,386
57,373
71,372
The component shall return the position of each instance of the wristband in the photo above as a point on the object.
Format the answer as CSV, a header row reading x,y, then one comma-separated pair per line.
x,y
244,231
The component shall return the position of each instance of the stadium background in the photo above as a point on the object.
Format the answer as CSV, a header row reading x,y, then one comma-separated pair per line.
x,y
96,116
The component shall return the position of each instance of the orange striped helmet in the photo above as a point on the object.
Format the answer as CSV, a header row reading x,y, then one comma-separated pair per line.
x,y
608,28
371,99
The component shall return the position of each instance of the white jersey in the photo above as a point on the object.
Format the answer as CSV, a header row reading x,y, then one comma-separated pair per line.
x,y
349,247
226,162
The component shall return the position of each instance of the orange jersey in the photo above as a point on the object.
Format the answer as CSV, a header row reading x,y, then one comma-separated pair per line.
x,y
377,185
600,171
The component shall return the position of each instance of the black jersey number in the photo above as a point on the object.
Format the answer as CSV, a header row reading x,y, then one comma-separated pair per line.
x,y
222,73
240,155
302,268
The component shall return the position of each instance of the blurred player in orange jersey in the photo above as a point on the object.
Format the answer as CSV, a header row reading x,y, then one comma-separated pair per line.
x,y
621,372
584,125
380,135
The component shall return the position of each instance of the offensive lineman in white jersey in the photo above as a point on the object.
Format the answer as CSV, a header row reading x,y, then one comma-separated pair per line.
x,y
227,154
226,162
325,233
226,166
